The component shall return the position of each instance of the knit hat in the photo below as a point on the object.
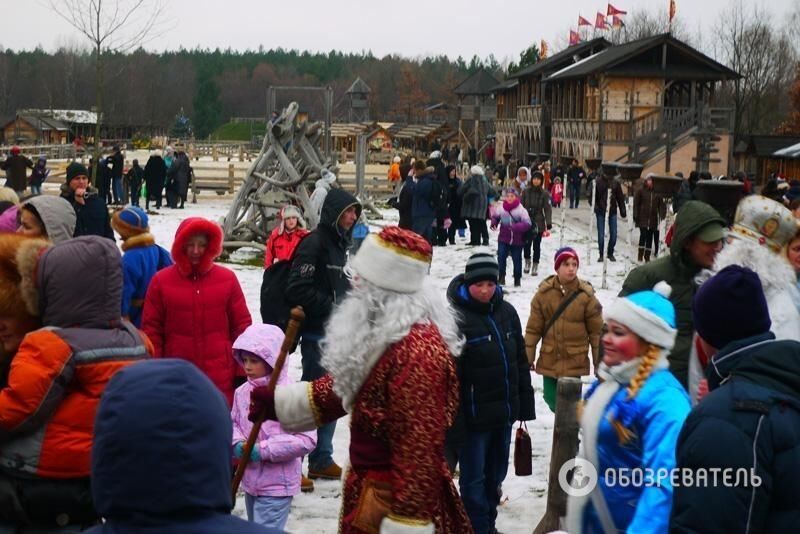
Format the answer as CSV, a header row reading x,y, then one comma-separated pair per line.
x,y
130,221
395,259
76,169
289,211
730,306
564,253
476,170
648,314
481,267
764,221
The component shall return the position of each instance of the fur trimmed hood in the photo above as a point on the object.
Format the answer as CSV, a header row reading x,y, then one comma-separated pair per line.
x,y
12,296
188,228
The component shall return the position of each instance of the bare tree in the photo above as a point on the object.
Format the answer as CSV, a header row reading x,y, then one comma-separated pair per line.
x,y
749,42
112,26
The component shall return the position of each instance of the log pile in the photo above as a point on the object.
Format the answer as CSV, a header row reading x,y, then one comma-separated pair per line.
x,y
289,158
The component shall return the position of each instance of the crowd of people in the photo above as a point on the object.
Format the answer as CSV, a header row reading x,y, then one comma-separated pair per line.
x,y
130,374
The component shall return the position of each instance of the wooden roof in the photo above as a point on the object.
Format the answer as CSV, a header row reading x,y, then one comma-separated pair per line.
x,y
359,86
480,83
417,131
766,146
563,58
643,58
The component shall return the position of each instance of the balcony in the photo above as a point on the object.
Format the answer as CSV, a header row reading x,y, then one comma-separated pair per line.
x,y
575,130
530,115
505,126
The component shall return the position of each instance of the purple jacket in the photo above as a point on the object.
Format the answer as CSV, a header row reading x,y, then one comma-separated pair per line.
x,y
278,472
8,220
514,222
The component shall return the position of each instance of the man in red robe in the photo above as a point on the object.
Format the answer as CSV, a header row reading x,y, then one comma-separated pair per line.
x,y
389,348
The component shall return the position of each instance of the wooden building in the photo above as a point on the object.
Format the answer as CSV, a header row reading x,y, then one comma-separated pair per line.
x,y
358,99
788,160
755,155
35,130
650,101
477,110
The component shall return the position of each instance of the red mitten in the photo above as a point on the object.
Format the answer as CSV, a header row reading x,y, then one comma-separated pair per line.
x,y
262,404
546,233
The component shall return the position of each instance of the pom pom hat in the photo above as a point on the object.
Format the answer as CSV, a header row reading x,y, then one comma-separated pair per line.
x,y
395,259
648,314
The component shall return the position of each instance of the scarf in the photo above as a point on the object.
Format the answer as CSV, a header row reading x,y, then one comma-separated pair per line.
x,y
612,379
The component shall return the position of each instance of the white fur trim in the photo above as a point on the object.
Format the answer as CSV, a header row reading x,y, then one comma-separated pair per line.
x,y
390,526
293,407
644,324
387,269
476,170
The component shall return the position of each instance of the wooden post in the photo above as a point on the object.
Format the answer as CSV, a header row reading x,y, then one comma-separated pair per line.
x,y
241,153
565,448
230,178
361,162
591,220
214,155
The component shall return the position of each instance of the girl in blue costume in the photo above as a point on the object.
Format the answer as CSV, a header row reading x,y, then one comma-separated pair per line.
x,y
631,419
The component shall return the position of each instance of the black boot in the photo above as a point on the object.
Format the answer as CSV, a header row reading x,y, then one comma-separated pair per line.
x,y
517,281
502,280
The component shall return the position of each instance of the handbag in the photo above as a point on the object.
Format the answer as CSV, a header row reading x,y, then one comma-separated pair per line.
x,y
522,452
374,503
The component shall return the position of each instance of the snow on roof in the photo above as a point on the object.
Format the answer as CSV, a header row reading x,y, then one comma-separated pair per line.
x,y
579,62
74,116
791,152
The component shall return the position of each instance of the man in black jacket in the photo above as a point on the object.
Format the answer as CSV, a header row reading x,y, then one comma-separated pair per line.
x,y
155,173
741,442
574,176
617,203
117,163
317,282
90,209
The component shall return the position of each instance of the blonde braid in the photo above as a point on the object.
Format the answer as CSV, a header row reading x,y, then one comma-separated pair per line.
x,y
651,356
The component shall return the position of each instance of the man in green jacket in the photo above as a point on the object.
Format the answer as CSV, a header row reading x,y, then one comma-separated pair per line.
x,y
698,235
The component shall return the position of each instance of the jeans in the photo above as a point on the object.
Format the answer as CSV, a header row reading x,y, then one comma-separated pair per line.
x,y
484,464
36,190
272,512
533,240
648,239
478,233
322,456
503,250
574,195
116,185
424,227
612,233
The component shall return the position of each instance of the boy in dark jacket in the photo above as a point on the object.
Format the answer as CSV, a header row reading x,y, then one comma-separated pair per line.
x,y
495,386
602,185
135,176
537,201
745,429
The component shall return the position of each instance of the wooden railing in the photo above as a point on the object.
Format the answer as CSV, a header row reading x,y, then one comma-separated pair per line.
x,y
529,115
575,130
505,126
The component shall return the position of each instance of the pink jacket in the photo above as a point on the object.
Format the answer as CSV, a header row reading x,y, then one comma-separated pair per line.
x,y
278,472
514,222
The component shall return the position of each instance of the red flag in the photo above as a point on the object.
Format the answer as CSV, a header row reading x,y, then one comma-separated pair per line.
x,y
617,22
614,11
574,38
672,9
600,22
583,22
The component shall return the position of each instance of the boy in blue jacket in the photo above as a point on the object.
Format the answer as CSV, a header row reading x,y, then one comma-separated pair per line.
x,y
141,259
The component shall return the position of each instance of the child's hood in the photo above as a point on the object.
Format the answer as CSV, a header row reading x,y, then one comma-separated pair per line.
x,y
264,341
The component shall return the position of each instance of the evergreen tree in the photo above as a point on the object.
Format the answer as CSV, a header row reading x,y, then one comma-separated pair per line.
x,y
207,105
529,56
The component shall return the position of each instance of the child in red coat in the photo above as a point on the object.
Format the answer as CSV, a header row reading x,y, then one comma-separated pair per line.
x,y
286,236
557,192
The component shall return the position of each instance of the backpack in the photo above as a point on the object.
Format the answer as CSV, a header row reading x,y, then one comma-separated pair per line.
x,y
275,309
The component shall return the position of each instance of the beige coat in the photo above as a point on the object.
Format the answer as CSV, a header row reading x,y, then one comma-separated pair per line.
x,y
565,348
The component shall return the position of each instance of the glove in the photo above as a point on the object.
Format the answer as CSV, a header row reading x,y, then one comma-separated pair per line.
x,y
262,402
549,226
238,450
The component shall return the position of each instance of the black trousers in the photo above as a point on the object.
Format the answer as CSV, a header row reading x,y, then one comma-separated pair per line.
x,y
478,232
532,240
648,239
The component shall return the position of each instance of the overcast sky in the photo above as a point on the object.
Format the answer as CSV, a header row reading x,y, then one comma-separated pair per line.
x,y
409,27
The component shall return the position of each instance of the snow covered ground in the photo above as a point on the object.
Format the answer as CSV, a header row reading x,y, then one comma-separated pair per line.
x,y
524,498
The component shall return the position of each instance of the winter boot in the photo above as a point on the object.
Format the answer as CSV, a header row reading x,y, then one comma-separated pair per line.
x,y
502,280
527,268
646,256
611,257
535,269
517,281
332,472
641,254
306,484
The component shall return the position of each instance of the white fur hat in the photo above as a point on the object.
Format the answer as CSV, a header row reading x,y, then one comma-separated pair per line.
x,y
396,159
395,259
477,170
649,314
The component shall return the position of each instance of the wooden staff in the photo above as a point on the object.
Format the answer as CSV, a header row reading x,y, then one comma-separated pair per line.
x,y
296,318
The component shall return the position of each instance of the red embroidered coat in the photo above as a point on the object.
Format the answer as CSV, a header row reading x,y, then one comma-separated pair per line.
x,y
398,423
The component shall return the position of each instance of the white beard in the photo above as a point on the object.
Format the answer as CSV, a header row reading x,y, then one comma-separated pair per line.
x,y
773,269
369,320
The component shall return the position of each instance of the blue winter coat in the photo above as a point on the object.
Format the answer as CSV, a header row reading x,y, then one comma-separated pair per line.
x,y
139,265
660,410
161,458
423,203
752,421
